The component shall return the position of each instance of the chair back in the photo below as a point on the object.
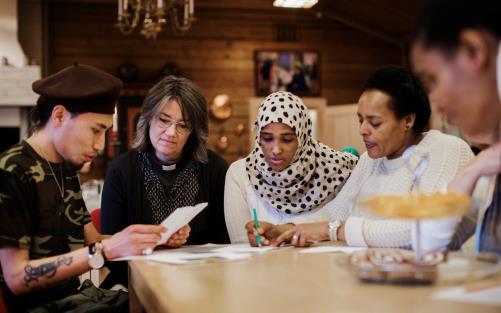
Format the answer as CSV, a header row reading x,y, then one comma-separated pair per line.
x,y
96,218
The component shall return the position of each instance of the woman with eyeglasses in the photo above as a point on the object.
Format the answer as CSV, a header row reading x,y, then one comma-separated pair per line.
x,y
169,167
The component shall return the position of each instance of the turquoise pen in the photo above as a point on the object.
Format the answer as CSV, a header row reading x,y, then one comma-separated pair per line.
x,y
256,223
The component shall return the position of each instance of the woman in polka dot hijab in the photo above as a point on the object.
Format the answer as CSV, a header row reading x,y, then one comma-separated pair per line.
x,y
289,176
317,171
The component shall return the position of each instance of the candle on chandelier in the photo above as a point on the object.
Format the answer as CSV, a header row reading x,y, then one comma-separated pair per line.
x,y
120,7
115,121
186,13
192,7
160,4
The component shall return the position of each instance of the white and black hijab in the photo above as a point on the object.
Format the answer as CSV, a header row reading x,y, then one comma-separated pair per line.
x,y
317,171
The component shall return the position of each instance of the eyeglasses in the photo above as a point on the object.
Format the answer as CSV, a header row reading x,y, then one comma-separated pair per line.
x,y
181,128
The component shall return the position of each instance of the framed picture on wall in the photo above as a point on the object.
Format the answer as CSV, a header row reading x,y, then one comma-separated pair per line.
x,y
295,71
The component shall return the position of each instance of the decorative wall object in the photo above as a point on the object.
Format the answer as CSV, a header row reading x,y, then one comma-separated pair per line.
x,y
170,68
294,71
239,129
222,142
127,72
220,107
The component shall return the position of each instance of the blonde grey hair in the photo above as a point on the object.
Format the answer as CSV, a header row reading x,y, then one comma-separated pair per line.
x,y
193,107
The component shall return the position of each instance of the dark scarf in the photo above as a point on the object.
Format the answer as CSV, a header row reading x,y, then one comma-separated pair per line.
x,y
183,192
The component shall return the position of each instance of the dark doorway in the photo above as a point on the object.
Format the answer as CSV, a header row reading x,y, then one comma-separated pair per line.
x,y
10,136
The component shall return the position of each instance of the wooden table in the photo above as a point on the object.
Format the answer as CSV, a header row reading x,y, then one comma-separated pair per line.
x,y
278,281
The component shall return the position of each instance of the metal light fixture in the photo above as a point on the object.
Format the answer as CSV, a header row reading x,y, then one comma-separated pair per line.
x,y
154,14
306,4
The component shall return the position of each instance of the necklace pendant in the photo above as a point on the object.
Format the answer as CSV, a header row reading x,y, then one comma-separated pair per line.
x,y
61,207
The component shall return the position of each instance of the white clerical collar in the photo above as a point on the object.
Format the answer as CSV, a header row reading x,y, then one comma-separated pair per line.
x,y
169,168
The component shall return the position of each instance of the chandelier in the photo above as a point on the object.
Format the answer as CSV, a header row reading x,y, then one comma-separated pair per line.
x,y
306,4
153,14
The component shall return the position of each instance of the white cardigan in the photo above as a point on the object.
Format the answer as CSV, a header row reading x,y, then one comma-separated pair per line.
x,y
447,154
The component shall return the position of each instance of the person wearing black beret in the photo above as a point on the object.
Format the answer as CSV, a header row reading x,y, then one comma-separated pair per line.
x,y
44,223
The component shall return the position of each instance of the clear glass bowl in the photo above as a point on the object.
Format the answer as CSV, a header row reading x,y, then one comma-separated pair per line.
x,y
393,266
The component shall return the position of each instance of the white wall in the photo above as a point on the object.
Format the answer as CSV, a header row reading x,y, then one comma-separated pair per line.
x,y
341,127
9,45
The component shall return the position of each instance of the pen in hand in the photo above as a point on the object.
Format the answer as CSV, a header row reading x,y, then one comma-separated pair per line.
x,y
256,223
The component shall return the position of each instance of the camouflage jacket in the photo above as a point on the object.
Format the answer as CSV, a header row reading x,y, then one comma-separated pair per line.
x,y
34,216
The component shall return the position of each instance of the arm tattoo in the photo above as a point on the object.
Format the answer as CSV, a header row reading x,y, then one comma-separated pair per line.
x,y
46,270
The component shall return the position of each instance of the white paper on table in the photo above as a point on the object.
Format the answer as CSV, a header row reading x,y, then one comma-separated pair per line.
x,y
179,218
243,248
205,248
328,249
180,257
183,257
488,296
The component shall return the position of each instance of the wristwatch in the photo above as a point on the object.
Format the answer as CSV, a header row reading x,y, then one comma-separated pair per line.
x,y
333,227
96,255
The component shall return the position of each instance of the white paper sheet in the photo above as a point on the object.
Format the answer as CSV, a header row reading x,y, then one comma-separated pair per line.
x,y
183,257
243,248
329,249
179,218
488,296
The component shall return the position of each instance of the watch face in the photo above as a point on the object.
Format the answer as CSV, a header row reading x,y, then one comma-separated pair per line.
x,y
96,261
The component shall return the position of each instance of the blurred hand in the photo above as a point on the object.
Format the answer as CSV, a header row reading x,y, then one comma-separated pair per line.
x,y
179,238
267,231
486,163
303,235
132,240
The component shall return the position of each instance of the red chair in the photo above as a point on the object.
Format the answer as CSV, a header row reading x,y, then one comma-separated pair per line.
x,y
96,218
3,308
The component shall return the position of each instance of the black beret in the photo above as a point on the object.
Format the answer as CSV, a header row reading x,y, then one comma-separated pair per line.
x,y
80,88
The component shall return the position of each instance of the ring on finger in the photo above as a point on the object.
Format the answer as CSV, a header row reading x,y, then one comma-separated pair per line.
x,y
147,251
294,238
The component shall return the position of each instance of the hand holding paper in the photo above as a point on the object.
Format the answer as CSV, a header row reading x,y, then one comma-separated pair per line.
x,y
179,218
179,238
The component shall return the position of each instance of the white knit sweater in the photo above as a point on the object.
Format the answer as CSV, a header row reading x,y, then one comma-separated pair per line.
x,y
447,155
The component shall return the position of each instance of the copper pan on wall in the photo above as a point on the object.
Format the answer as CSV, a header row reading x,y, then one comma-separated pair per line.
x,y
220,107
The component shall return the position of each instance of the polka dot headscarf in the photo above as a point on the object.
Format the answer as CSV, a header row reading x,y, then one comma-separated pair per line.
x,y
317,171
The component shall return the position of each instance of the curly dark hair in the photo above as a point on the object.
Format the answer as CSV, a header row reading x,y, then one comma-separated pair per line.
x,y
406,92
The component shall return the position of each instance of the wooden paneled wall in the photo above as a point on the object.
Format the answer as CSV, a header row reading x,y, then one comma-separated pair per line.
x,y
217,52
